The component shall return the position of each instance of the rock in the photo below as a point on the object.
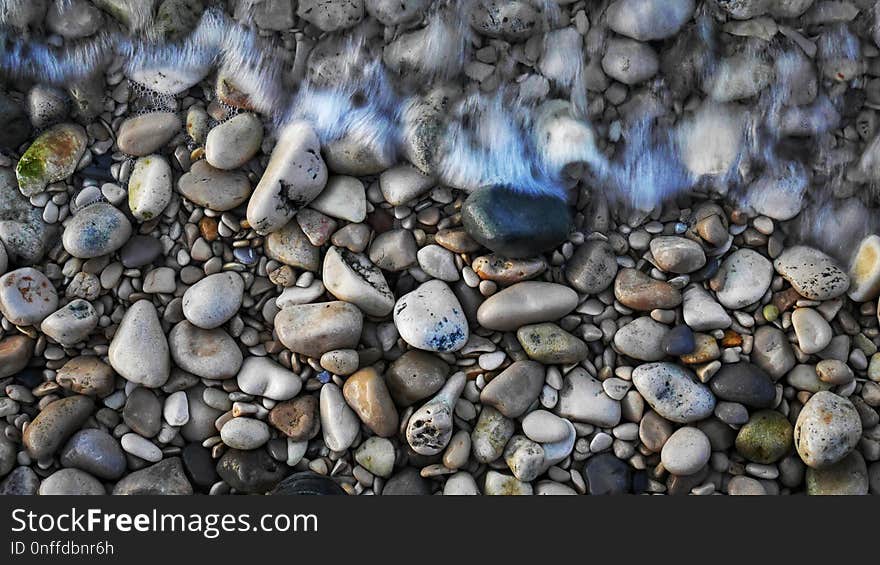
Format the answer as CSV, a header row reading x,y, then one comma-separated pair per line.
x,y
295,175
592,267
430,427
515,223
605,474
679,341
344,198
214,300
490,435
46,106
515,389
87,375
525,458
234,142
686,451
331,15
649,20
461,484
813,332
200,425
52,157
22,481
96,230
149,187
244,433
140,447
629,62
340,361
527,302
766,438
772,352
677,254
414,376
252,472
176,409
24,234
391,12
73,19
313,329
260,376
403,183
71,482
95,452
141,250
290,246
147,133
827,429
339,423
298,419
701,312
551,345
54,424
438,262
200,468
15,353
27,296
72,323
166,477
407,482
642,339
366,393
376,455
744,383
431,318
506,271
673,392
353,278
813,274
139,351
864,271
738,77
510,20
634,289
211,354
214,189
544,427
582,399
143,412
744,278
778,195
394,250
847,477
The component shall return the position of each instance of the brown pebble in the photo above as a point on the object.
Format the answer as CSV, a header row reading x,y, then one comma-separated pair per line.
x,y
366,393
208,228
15,352
456,240
298,418
634,289
87,375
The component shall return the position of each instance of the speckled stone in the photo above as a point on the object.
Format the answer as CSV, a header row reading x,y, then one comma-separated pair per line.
x,y
551,345
827,429
96,230
813,274
431,318
766,438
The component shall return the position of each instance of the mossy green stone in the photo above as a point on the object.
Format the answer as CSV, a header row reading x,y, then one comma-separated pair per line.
x,y
766,438
52,157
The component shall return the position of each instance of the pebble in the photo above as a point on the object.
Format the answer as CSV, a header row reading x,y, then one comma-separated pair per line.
x,y
677,254
234,142
71,482
634,289
141,250
87,375
166,477
55,423
513,390
744,278
52,157
141,135
438,263
490,435
673,392
506,271
864,270
72,323
149,187
847,477
744,383
827,429
244,433
260,376
549,344
213,188
527,302
344,198
430,427
583,399
414,376
139,351
544,427
176,409
605,474
592,268
394,250
772,352
340,361
15,353
141,447
211,354
679,341
214,300
314,329
377,456
741,485
686,451
353,278
339,423
813,332
765,438
629,61
642,339
143,412
24,234
290,246
95,452
813,274
96,230
649,20
403,183
27,296
701,312
366,393
297,419
431,318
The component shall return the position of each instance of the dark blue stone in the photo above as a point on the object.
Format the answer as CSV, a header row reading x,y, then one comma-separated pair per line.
x,y
744,383
245,255
606,474
679,341
515,223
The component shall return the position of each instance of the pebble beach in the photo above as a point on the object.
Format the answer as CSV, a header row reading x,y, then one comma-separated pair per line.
x,y
487,247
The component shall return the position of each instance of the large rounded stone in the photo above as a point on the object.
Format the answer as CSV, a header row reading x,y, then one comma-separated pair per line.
x,y
54,424
211,354
673,392
431,318
827,429
96,230
766,438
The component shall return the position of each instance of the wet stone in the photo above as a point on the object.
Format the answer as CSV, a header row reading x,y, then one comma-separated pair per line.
x,y
744,383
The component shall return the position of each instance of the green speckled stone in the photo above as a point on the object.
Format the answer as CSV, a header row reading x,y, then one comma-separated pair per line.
x,y
766,437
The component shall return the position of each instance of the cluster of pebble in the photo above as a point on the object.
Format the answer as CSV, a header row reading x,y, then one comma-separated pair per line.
x,y
193,302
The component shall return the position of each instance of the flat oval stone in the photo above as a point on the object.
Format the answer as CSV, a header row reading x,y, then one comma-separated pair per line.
x,y
314,329
27,296
200,425
234,142
686,451
260,376
72,323
200,468
87,375
506,271
677,254
592,268
813,274
366,393
513,390
649,20
15,353
54,424
402,183
772,352
744,383
52,157
527,302
515,223
211,354
582,399
376,455
431,318
96,230
250,471
244,433
73,482
139,351
629,62
141,447
864,270
214,300
544,427
352,277
765,438
744,277
551,345
827,429
634,289
147,133
166,477
214,189
642,339
140,250
813,332
339,423
290,246
673,392
679,341
95,452
414,376
294,176
149,187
